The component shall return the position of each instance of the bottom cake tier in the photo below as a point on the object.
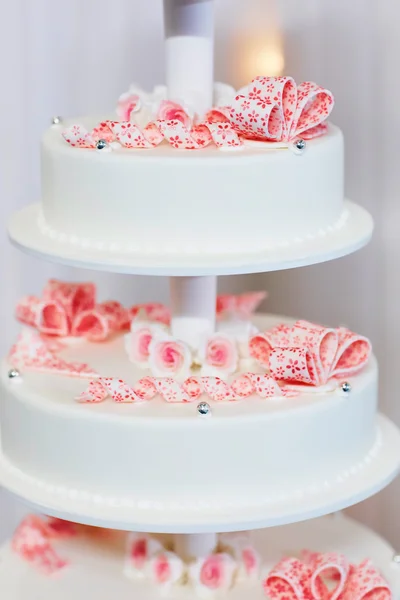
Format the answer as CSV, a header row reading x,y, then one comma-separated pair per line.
x,y
92,563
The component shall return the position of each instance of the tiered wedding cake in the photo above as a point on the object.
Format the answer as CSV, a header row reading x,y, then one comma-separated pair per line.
x,y
201,417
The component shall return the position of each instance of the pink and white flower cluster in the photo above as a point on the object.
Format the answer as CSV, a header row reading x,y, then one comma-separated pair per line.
x,y
150,345
139,106
234,560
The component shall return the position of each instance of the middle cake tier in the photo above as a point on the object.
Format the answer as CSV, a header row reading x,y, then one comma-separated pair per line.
x,y
159,454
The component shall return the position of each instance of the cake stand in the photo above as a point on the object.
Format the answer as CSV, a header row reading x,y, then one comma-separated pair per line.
x,y
189,40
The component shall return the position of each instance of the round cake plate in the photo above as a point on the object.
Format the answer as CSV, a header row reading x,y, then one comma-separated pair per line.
x,y
26,234
113,513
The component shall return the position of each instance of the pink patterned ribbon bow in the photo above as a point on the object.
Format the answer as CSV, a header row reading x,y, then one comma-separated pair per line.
x,y
275,109
328,577
310,354
32,541
70,309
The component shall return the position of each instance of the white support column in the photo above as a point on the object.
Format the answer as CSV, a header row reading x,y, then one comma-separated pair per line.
x,y
189,51
193,306
192,546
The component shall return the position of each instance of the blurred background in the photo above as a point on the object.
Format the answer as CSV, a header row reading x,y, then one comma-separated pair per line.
x,y
71,57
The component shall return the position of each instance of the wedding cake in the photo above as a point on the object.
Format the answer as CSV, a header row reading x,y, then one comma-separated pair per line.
x,y
177,422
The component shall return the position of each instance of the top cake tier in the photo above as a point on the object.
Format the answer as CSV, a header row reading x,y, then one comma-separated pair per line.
x,y
172,201
255,183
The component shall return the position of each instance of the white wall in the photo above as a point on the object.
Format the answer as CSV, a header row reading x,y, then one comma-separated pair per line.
x,y
80,56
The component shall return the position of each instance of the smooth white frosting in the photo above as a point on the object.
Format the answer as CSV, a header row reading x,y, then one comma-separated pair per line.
x,y
155,454
170,201
96,564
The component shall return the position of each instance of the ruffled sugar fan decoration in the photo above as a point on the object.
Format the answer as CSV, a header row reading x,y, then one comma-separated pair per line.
x,y
270,109
33,541
276,110
310,354
71,309
325,577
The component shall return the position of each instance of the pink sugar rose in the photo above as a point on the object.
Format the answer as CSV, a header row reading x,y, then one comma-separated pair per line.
x,y
247,558
166,568
251,562
127,105
137,342
169,358
220,355
172,111
140,549
139,553
213,573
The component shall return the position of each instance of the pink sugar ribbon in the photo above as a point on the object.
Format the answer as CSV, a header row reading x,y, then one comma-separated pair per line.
x,y
31,351
71,309
327,577
310,354
176,133
32,542
190,390
240,306
275,109
151,311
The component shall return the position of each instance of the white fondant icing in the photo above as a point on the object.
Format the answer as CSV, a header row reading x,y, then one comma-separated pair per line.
x,y
156,455
163,201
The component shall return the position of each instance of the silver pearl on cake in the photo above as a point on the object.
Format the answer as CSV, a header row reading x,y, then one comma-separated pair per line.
x,y
13,373
299,146
396,559
101,144
345,387
204,409
56,120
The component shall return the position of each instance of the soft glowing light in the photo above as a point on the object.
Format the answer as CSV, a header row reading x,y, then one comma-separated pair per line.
x,y
269,61
263,57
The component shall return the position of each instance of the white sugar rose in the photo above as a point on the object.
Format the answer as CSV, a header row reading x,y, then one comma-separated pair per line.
x,y
169,357
219,356
165,569
137,342
140,549
212,574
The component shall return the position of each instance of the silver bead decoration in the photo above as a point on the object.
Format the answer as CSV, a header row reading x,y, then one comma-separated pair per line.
x,y
204,409
13,373
101,144
396,559
56,120
299,146
345,387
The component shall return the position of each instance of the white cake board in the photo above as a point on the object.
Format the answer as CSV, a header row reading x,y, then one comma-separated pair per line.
x,y
355,233
97,572
115,514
